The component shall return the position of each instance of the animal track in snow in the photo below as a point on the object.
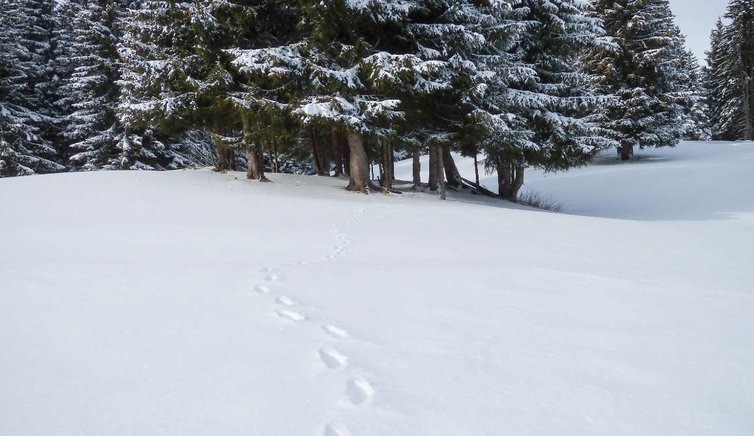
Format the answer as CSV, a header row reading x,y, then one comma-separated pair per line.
x,y
359,390
290,315
284,301
261,289
272,278
336,429
335,332
333,358
265,270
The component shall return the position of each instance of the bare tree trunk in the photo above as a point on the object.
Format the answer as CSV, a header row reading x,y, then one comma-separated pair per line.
x,y
510,179
339,146
626,151
451,170
274,157
417,167
320,155
388,170
441,174
226,157
255,164
358,163
434,168
476,167
518,182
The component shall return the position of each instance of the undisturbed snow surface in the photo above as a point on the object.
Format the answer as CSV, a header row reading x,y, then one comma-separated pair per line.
x,y
195,303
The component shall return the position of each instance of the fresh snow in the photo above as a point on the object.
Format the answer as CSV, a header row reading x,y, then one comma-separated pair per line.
x,y
196,303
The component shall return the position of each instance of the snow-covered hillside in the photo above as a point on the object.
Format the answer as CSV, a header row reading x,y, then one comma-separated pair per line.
x,y
197,303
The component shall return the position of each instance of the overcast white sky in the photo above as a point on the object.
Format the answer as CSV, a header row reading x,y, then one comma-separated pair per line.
x,y
696,19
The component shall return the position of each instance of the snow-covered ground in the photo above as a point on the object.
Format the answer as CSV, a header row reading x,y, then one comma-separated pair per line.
x,y
195,303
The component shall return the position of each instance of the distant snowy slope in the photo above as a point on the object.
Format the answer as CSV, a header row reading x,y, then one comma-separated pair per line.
x,y
694,181
195,303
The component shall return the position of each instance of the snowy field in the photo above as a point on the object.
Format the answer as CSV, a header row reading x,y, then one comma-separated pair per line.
x,y
196,303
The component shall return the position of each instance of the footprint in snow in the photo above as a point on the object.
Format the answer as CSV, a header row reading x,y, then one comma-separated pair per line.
x,y
272,278
333,358
336,429
359,390
261,289
291,315
265,270
284,301
335,332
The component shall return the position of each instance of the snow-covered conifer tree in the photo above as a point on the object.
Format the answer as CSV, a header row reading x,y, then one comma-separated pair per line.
x,y
25,84
92,129
157,99
738,63
645,74
550,97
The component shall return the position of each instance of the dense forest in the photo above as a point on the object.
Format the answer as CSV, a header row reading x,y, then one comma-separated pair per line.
x,y
332,87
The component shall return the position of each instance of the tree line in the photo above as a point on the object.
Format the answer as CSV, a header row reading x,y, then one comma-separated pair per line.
x,y
330,87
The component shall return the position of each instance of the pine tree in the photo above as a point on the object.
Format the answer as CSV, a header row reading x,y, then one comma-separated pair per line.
x,y
92,129
739,62
360,67
697,124
723,84
65,14
461,82
25,82
645,74
552,99
157,101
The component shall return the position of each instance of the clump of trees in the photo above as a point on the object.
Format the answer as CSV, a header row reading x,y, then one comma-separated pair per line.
x,y
332,87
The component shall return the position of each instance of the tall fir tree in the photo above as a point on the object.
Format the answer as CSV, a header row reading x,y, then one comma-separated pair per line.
x,y
645,74
92,130
553,101
739,54
156,102
717,83
26,125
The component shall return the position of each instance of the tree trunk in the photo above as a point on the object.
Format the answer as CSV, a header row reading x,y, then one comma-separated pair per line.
x,y
626,151
255,164
476,168
225,157
319,153
441,173
434,168
388,168
274,157
358,164
451,170
417,167
510,179
255,169
339,146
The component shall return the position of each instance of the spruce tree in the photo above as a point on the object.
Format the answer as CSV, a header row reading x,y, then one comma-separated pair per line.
x,y
25,84
65,14
721,87
645,74
157,100
739,62
92,129
552,99
697,125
